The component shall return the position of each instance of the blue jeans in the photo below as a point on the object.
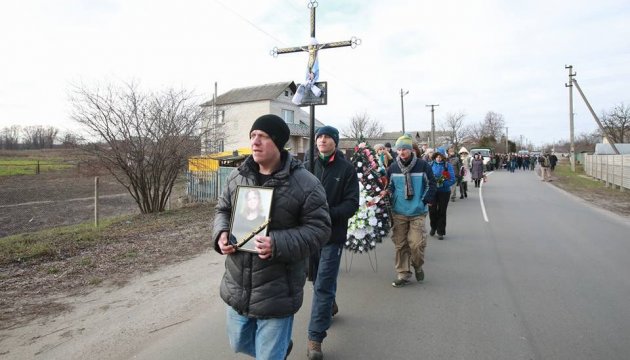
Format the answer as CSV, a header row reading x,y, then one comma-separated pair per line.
x,y
324,291
259,338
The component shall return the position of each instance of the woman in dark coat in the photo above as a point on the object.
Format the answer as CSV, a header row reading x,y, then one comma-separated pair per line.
x,y
476,171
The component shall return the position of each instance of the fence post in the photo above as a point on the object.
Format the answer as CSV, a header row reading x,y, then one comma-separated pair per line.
x,y
96,201
37,169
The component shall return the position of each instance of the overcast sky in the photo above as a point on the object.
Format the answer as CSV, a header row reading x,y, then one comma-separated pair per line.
x,y
467,56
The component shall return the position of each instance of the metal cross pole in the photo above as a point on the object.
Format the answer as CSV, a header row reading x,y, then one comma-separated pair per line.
x,y
312,50
433,123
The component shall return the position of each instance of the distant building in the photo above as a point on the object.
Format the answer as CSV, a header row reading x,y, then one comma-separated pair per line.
x,y
237,109
606,149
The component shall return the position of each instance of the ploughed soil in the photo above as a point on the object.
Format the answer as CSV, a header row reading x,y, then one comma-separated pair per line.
x,y
136,243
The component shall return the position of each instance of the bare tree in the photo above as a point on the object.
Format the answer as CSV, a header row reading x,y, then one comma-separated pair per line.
x,y
474,132
30,136
454,125
10,137
586,141
617,123
493,125
39,137
362,127
148,137
49,135
70,139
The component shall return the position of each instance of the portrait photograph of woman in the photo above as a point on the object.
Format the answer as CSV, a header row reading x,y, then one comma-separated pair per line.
x,y
250,213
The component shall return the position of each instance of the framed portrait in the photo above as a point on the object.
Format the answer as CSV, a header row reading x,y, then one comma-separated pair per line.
x,y
250,216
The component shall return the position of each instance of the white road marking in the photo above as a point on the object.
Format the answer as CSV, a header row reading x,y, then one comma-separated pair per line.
x,y
483,206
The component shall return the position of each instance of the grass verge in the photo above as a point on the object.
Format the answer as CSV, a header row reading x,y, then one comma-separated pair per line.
x,y
52,243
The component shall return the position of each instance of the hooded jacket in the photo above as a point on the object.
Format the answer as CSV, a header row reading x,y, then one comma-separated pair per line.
x,y
299,226
440,167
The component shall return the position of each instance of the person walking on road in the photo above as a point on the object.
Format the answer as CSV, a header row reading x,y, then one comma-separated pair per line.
x,y
445,177
545,167
412,190
264,289
464,173
476,169
456,163
553,160
341,184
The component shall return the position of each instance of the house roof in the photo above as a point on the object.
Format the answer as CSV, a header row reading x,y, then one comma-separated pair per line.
x,y
253,93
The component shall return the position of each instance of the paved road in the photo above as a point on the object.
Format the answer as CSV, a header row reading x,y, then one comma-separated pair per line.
x,y
546,277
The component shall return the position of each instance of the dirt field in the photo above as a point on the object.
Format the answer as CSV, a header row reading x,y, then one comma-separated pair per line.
x,y
52,199
34,202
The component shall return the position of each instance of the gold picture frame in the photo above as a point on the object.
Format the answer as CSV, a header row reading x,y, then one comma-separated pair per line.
x,y
250,216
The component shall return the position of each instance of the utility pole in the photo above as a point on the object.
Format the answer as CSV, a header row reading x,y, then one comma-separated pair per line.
x,y
521,146
571,138
433,123
402,108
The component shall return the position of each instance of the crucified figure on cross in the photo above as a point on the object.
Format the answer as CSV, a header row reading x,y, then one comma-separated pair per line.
x,y
312,74
312,70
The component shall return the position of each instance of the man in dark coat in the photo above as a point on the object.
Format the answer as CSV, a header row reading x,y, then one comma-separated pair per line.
x,y
264,290
341,184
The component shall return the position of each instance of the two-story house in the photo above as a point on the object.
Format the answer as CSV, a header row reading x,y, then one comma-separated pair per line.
x,y
236,110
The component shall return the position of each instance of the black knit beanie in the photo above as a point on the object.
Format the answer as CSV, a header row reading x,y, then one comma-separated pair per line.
x,y
330,131
275,127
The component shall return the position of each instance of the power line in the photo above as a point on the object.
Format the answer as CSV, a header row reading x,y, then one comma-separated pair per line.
x,y
356,89
248,21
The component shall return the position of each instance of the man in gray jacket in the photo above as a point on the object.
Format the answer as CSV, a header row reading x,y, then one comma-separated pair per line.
x,y
264,290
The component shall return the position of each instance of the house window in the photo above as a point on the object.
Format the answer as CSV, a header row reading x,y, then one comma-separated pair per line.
x,y
287,115
220,116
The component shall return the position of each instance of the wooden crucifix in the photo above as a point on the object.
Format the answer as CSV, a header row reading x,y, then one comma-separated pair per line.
x,y
314,93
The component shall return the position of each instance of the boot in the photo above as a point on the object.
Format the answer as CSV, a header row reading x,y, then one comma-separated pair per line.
x,y
314,351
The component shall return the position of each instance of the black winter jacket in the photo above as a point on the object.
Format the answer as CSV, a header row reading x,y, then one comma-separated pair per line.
x,y
299,226
341,184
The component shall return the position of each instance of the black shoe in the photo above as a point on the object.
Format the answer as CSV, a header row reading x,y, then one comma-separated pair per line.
x,y
432,233
441,237
289,349
419,274
466,195
461,197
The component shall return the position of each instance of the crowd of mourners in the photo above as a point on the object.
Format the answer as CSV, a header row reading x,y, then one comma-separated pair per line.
x,y
304,227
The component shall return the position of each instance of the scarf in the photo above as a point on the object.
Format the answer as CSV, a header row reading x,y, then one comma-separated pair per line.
x,y
406,170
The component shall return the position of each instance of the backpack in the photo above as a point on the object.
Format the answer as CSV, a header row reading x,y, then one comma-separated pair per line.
x,y
545,161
